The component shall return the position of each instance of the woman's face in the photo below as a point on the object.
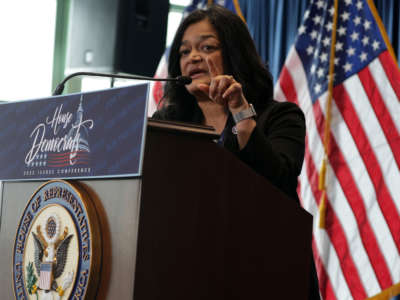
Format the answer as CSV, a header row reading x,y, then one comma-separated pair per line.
x,y
200,42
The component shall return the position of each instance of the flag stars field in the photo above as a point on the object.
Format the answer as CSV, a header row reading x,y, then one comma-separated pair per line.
x,y
315,33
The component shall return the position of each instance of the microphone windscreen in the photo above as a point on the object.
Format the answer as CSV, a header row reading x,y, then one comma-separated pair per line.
x,y
184,80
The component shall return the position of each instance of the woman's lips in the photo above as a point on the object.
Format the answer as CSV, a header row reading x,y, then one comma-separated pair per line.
x,y
196,73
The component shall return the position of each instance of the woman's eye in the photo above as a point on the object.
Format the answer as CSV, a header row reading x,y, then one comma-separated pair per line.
x,y
208,48
184,52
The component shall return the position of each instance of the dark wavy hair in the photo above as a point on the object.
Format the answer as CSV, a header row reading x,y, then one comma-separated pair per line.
x,y
240,59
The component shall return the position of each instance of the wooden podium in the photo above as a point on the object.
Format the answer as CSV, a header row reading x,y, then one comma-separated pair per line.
x,y
198,224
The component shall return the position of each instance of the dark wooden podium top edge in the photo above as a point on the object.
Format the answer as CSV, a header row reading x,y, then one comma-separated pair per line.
x,y
180,127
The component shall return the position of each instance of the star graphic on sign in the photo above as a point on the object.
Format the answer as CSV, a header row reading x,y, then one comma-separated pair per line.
x,y
310,50
317,88
359,5
337,59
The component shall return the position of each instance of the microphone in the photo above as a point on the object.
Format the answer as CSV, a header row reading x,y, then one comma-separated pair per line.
x,y
182,80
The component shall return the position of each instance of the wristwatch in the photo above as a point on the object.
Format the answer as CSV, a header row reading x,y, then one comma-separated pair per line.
x,y
245,114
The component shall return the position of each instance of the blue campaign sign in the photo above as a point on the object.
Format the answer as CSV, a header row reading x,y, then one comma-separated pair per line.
x,y
86,135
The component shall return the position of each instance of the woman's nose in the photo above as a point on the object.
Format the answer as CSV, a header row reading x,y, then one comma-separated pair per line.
x,y
195,56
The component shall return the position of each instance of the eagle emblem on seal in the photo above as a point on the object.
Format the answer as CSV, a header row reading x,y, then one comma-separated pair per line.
x,y
51,251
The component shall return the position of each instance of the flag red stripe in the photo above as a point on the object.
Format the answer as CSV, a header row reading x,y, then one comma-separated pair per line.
x,y
298,189
57,165
327,292
157,91
67,154
287,86
392,73
381,112
67,159
336,232
360,138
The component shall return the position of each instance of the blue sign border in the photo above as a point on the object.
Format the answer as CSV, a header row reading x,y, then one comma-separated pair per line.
x,y
98,134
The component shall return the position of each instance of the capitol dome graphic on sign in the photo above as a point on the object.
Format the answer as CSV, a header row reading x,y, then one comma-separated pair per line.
x,y
81,131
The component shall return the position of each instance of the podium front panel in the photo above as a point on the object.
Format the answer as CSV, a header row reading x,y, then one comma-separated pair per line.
x,y
117,203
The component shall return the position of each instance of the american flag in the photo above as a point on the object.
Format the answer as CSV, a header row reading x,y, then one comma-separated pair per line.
x,y
156,87
357,252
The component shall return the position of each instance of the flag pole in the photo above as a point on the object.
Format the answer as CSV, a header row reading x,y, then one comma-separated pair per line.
x,y
322,174
382,29
238,10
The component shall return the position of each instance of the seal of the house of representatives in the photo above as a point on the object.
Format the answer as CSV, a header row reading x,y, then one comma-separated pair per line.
x,y
57,249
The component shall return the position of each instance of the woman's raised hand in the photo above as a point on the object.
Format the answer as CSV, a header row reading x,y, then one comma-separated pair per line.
x,y
223,89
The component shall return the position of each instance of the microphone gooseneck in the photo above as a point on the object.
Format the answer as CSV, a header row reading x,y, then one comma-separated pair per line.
x,y
183,80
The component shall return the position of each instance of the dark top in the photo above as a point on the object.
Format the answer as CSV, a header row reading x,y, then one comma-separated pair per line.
x,y
276,146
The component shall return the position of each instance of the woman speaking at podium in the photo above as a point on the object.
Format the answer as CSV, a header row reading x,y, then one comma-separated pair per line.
x,y
232,91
